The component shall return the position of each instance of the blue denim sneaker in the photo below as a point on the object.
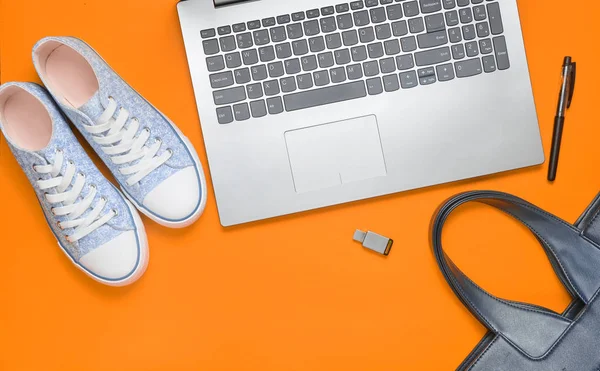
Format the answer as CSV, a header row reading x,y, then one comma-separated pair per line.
x,y
155,164
98,229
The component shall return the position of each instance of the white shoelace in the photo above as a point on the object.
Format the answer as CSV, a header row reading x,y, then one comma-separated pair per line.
x,y
124,147
73,210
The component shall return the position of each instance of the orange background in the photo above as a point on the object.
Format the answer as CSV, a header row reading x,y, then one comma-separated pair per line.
x,y
294,293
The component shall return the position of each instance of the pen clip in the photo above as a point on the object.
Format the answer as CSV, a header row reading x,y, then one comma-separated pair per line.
x,y
572,87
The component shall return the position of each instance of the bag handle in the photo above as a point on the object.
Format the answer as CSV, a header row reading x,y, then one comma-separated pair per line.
x,y
575,259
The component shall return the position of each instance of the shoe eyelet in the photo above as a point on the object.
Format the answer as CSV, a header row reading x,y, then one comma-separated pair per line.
x,y
170,151
110,97
68,238
52,211
33,166
147,130
59,150
115,212
80,174
70,162
92,186
158,140
103,199
59,225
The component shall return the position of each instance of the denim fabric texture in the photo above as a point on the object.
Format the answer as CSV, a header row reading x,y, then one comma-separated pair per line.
x,y
63,139
111,85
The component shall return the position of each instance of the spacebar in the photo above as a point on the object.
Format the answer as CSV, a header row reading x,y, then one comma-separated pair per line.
x,y
328,95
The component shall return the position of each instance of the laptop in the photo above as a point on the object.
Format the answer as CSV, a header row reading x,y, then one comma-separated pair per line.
x,y
310,103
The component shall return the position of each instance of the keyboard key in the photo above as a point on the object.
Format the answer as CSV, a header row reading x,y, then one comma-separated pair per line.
x,y
292,66
294,30
355,5
416,25
266,53
283,50
342,8
366,35
392,47
328,10
321,78
328,24
309,63
387,65
359,53
252,25
466,15
325,60
405,62
391,83
462,2
458,51
229,96
409,44
472,49
468,32
323,96
489,64
354,71
338,75
399,28
350,37
205,34
479,13
258,108
241,111
304,81
449,4
288,84
486,46
250,57
408,79
445,72
239,27
371,68
283,19
242,76
383,31
333,41
271,87
435,22
385,2
268,22
483,30
221,80
411,9
423,72
434,56
313,13
452,18
344,21
274,105
371,3
374,86
244,40
455,35
299,16
261,37
361,18
210,46
233,60
278,34
316,44
224,30
495,18
428,80
342,56
501,53
430,40
468,68
394,12
375,50
275,69
311,28
300,47
215,63
430,6
224,115
378,15
254,91
259,72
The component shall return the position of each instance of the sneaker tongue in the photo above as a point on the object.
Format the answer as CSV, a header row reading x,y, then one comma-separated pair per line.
x,y
93,108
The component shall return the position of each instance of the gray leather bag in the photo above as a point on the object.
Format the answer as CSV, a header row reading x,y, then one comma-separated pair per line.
x,y
524,336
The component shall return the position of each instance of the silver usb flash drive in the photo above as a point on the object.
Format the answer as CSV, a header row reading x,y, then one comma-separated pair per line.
x,y
374,241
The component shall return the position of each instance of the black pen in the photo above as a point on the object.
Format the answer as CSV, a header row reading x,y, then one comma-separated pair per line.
x,y
569,71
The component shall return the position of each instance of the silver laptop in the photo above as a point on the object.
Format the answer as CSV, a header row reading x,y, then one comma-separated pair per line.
x,y
310,103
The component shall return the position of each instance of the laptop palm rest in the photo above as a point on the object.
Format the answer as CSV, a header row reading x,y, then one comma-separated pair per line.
x,y
336,153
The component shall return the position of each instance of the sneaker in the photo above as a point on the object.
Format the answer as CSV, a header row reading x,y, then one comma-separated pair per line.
x,y
155,164
96,227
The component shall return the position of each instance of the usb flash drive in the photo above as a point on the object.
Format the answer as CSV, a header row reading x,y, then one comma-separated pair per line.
x,y
374,241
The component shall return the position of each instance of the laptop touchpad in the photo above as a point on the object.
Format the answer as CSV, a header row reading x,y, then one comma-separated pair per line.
x,y
335,153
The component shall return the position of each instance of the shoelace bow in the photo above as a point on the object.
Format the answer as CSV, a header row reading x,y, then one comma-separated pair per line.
x,y
67,197
124,147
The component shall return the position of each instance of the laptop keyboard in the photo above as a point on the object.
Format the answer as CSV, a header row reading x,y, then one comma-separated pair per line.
x,y
349,51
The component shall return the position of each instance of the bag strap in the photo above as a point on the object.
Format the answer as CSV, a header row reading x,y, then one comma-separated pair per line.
x,y
574,257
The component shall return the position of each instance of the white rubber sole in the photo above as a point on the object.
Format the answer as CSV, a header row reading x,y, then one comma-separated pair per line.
x,y
144,254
